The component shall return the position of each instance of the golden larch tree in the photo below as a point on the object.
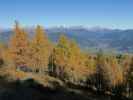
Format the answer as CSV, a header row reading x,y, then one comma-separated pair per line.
x,y
18,46
39,52
60,56
67,61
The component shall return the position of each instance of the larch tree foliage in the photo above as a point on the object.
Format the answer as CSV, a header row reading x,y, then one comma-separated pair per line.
x,y
67,61
59,57
115,75
102,71
90,63
18,46
109,72
78,70
128,74
39,52
130,77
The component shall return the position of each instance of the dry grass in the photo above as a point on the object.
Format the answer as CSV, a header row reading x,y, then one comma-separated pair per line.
x,y
47,81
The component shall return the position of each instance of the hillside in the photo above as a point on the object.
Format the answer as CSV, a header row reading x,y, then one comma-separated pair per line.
x,y
94,38
33,64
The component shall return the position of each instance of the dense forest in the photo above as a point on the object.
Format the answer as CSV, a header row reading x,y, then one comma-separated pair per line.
x,y
65,62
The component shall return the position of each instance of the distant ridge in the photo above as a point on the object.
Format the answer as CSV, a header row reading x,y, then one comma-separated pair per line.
x,y
120,40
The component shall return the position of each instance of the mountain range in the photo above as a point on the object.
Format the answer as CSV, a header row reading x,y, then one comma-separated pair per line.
x,y
91,39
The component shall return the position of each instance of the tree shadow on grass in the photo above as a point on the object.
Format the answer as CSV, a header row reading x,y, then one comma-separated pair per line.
x,y
31,90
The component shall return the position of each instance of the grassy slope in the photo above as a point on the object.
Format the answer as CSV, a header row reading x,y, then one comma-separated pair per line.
x,y
18,85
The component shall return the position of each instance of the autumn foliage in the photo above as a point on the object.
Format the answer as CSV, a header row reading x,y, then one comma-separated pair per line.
x,y
67,62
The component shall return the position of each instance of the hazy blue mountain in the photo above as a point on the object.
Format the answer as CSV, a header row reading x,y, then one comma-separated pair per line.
x,y
120,40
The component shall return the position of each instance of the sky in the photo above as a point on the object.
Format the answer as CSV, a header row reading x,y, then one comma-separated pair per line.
x,y
50,13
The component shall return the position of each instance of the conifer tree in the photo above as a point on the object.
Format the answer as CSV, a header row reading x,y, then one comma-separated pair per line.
x,y
128,74
60,55
40,49
116,77
78,69
18,46
130,77
101,80
67,61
